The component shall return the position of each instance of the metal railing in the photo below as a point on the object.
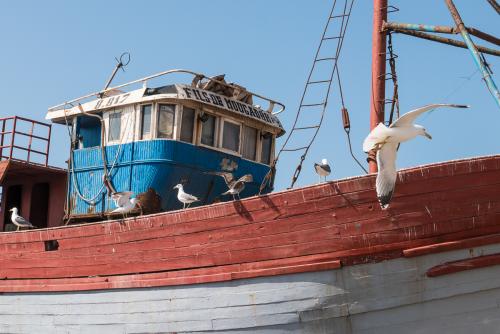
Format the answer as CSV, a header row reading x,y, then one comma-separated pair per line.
x,y
197,76
11,128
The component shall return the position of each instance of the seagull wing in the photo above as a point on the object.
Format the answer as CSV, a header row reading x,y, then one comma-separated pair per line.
x,y
228,177
22,222
185,197
410,116
377,136
121,198
386,177
245,178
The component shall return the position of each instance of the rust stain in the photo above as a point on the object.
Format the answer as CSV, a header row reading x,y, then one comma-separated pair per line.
x,y
150,201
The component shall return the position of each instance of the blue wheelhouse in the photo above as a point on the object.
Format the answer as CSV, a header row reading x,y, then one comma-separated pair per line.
x,y
150,139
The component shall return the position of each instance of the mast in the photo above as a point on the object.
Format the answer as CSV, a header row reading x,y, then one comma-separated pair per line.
x,y
377,96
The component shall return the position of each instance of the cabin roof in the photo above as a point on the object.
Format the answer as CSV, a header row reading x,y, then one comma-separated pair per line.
x,y
13,168
178,92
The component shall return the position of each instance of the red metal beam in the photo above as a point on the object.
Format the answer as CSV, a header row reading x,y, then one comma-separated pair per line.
x,y
377,98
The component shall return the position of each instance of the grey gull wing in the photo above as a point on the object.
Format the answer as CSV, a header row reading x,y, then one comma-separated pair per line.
x,y
246,178
23,222
121,198
410,116
326,168
228,177
386,176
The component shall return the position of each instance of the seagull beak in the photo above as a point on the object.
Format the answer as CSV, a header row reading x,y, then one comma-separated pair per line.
x,y
427,135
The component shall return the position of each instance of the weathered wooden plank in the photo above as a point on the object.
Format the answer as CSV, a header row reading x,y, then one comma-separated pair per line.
x,y
464,264
452,245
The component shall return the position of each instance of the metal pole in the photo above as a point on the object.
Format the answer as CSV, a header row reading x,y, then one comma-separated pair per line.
x,y
377,98
47,151
2,138
475,54
440,29
444,40
495,5
13,137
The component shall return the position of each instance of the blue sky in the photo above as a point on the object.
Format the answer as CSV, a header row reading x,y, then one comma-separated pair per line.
x,y
53,51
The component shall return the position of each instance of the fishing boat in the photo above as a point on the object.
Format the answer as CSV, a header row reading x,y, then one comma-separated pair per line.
x,y
324,258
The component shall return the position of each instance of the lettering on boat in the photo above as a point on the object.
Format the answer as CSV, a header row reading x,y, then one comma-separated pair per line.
x,y
191,93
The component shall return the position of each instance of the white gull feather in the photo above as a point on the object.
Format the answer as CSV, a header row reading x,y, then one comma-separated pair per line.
x,y
18,220
386,141
184,197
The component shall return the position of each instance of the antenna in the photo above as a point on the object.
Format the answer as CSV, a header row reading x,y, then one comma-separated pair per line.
x,y
124,61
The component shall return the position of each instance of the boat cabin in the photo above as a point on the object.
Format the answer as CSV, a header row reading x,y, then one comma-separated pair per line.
x,y
148,140
27,182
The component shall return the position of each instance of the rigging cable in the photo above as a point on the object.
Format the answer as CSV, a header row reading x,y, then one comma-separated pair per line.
x,y
392,64
347,123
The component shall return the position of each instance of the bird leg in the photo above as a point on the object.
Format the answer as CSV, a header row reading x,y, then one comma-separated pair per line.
x,y
17,229
183,205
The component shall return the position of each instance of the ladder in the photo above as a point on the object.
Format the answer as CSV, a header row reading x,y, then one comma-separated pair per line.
x,y
314,98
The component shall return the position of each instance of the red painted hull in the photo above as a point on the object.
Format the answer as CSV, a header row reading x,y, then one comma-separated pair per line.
x,y
437,207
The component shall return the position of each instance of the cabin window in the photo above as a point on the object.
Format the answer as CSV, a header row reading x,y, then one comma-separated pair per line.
x,y
115,124
267,143
187,125
231,136
207,129
249,143
146,121
88,131
166,120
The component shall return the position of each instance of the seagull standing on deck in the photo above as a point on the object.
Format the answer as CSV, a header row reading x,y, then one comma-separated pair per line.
x,y
385,141
18,220
323,169
235,187
184,197
124,203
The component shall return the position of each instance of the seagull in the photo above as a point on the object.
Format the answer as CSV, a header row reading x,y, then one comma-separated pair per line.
x,y
235,186
124,203
385,140
323,169
185,198
18,220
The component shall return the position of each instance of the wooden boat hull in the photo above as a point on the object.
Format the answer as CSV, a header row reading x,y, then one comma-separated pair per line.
x,y
393,296
305,260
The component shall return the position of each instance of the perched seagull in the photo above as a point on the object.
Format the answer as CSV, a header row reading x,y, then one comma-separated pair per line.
x,y
124,203
323,169
386,140
185,198
18,220
235,187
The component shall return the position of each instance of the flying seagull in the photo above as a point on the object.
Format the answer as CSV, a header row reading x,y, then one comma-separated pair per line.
x,y
124,203
235,187
18,220
385,141
323,169
185,198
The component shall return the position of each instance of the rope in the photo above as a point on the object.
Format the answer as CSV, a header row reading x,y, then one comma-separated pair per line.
x,y
394,77
105,170
347,123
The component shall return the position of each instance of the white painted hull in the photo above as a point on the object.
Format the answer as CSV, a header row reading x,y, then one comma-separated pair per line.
x,y
392,296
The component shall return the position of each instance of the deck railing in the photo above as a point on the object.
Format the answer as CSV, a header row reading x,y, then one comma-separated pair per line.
x,y
25,140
